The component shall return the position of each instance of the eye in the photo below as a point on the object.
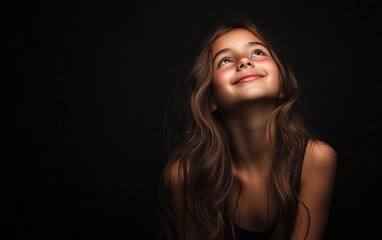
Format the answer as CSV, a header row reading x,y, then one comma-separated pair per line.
x,y
258,53
224,61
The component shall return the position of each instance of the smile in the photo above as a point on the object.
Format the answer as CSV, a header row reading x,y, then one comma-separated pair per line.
x,y
249,78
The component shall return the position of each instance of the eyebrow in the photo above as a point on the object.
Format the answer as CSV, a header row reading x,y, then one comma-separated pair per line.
x,y
224,50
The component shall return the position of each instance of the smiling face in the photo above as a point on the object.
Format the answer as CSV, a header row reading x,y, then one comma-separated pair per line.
x,y
243,70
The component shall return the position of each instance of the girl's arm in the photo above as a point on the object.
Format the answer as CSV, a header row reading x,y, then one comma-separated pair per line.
x,y
317,180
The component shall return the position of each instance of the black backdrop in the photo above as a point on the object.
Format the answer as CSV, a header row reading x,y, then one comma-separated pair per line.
x,y
85,85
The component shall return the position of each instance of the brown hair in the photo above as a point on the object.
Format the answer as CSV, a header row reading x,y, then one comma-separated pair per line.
x,y
203,158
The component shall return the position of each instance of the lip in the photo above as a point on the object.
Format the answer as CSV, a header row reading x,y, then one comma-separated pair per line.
x,y
248,78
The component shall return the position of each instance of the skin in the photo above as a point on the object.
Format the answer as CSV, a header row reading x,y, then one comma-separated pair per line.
x,y
246,107
237,54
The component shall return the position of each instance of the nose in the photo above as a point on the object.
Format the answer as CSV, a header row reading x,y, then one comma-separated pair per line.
x,y
245,63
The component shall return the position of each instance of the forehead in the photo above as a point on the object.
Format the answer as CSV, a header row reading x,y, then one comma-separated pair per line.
x,y
235,38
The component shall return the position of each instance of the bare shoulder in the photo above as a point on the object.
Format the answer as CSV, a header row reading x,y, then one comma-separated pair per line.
x,y
320,156
320,162
185,227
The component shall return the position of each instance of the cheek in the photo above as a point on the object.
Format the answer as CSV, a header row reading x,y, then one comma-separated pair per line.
x,y
221,80
222,76
271,67
274,72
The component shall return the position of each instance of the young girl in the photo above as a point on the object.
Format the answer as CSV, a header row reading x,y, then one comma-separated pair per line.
x,y
246,166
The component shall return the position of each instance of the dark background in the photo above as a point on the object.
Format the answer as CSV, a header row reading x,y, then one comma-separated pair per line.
x,y
85,85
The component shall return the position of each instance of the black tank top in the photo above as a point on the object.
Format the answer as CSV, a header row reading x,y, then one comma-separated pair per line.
x,y
242,234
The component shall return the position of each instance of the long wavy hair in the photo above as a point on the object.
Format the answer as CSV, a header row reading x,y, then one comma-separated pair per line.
x,y
202,151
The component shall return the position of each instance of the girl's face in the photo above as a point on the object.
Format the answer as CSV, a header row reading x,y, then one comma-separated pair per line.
x,y
244,70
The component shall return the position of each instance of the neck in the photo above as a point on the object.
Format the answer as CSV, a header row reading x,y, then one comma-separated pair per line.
x,y
252,134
